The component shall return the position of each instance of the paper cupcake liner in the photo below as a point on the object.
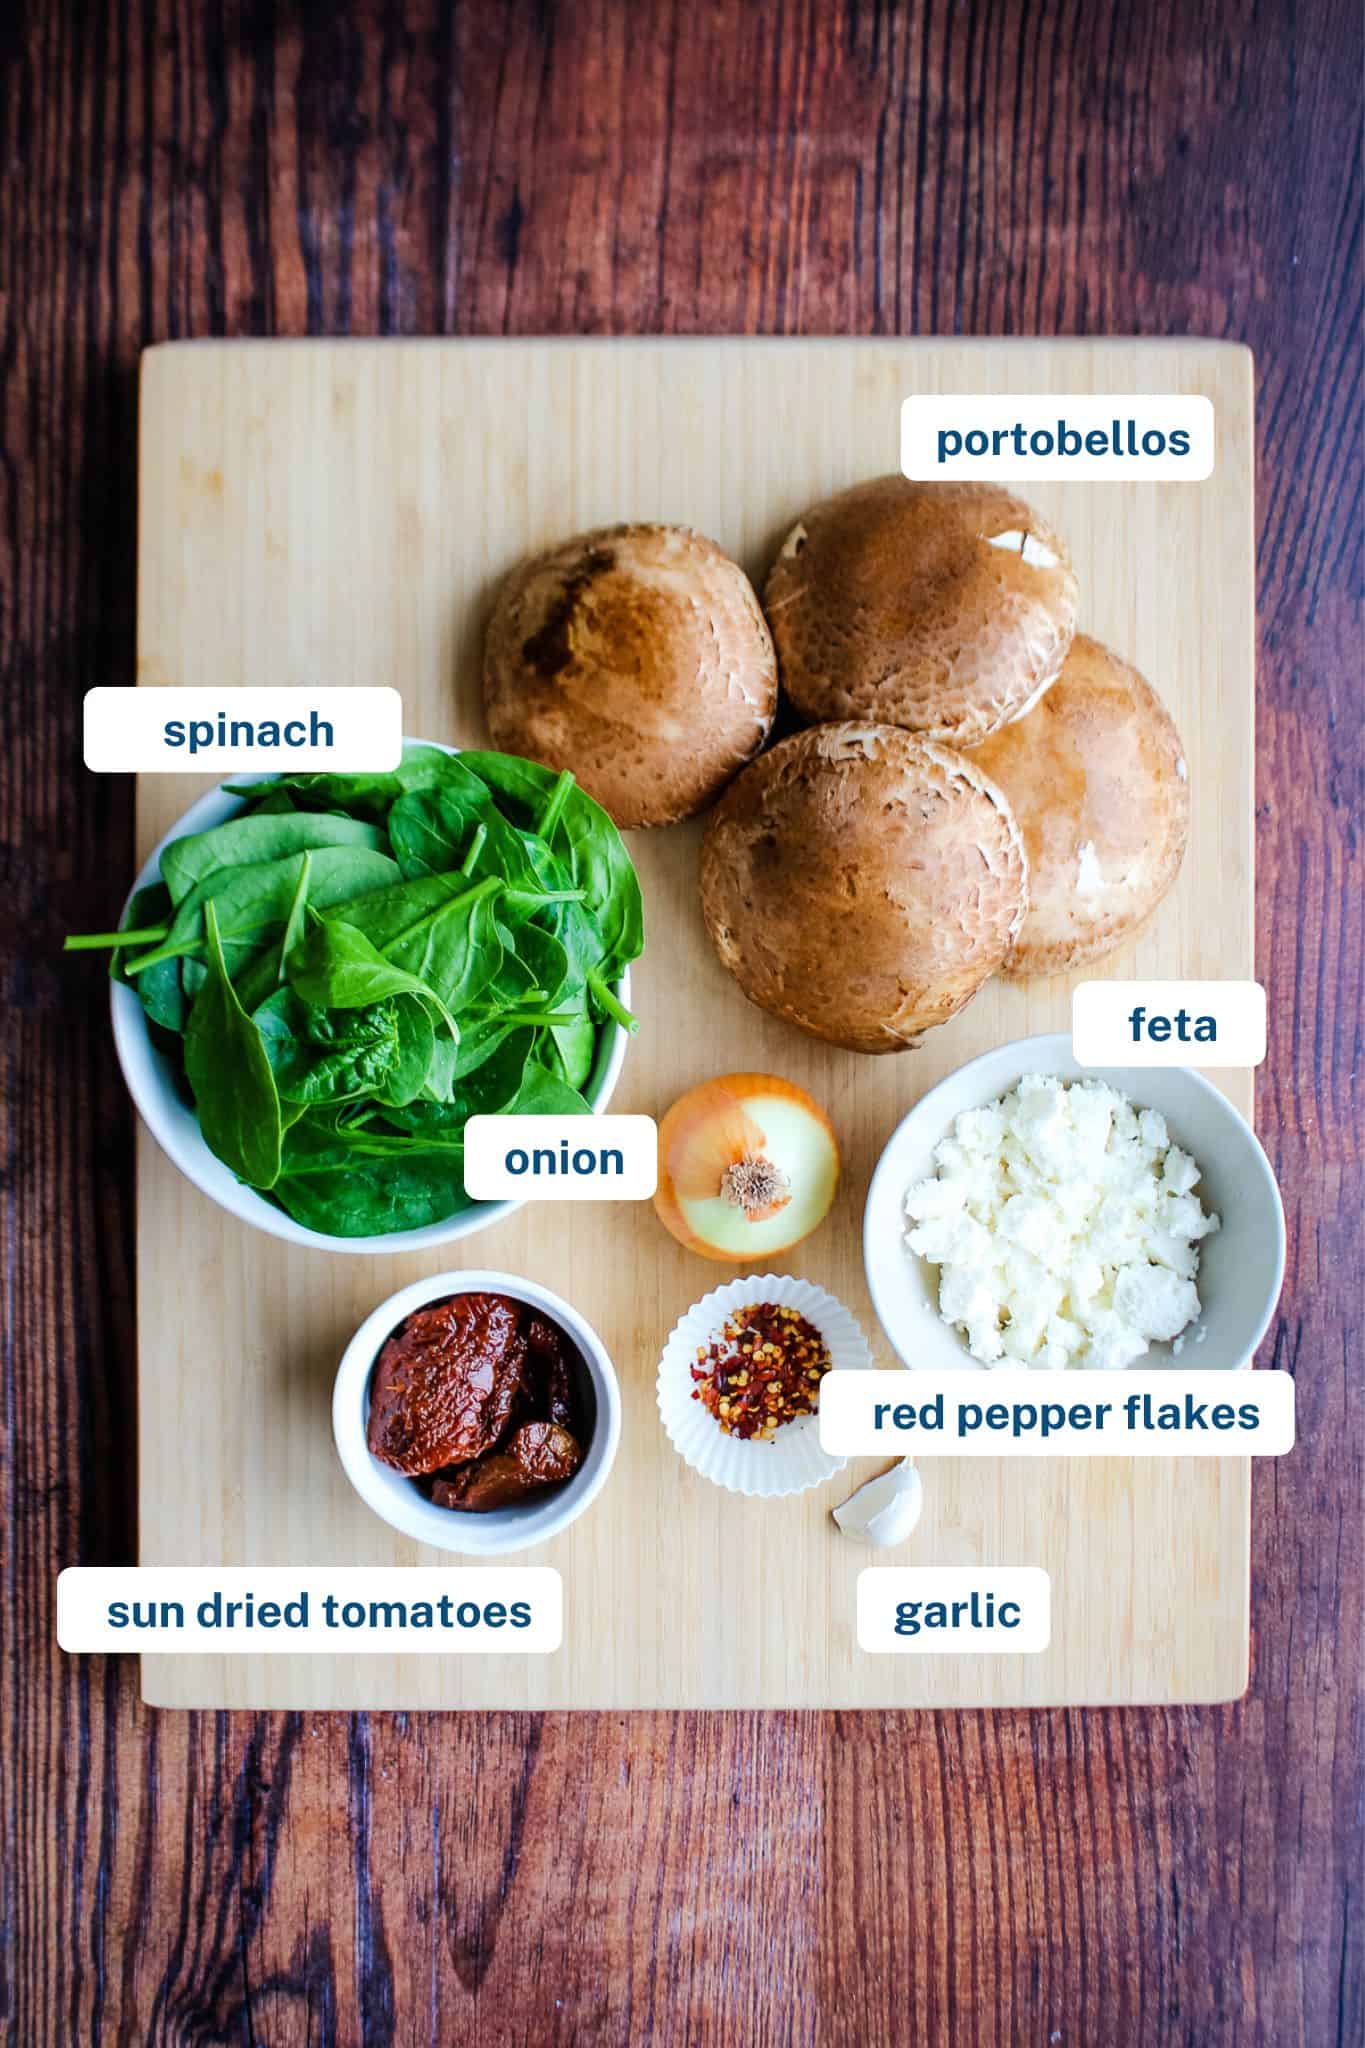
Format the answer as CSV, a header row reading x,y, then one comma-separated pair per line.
x,y
793,1460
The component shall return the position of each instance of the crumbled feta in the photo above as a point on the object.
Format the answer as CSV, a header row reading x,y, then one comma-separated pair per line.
x,y
1065,1227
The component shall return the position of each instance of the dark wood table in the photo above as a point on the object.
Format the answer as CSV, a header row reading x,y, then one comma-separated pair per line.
x,y
1092,1880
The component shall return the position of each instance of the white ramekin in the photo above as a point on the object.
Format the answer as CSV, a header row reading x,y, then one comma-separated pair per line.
x,y
398,1500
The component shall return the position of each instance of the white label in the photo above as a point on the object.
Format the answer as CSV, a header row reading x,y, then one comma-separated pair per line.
x,y
228,732
952,1609
1007,1413
171,1610
561,1158
1044,438
1168,1023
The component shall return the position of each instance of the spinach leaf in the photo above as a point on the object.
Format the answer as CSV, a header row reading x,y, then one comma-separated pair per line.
x,y
325,1056
512,1082
229,1071
337,968
454,948
544,1094
429,829
448,832
255,982
480,1037
258,837
575,1048
161,994
439,1080
511,1002
416,1037
560,983
148,910
439,928
361,1184
589,963
360,796
296,924
255,899
433,829
398,911
429,767
164,996
584,838
489,1089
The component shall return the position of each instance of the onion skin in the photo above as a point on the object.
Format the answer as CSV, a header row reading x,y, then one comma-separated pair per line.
x,y
714,1126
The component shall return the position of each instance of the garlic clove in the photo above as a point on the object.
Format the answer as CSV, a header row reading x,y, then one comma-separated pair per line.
x,y
885,1509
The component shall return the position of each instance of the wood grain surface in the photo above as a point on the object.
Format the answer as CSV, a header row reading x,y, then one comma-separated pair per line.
x,y
1178,1877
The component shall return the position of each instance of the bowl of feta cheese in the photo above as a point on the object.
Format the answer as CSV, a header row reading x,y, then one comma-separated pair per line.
x,y
1029,1212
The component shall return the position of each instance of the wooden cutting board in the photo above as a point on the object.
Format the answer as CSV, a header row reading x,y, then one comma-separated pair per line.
x,y
339,512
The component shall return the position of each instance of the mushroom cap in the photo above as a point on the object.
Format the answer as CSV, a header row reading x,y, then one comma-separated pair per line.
x,y
862,883
637,657
1097,778
945,608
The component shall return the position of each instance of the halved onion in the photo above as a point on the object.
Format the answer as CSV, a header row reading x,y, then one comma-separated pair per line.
x,y
748,1165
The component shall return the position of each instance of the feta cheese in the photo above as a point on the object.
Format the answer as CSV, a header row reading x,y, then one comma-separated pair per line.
x,y
1156,1302
1065,1226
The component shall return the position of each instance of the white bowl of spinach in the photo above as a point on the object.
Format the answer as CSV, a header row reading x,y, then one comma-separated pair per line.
x,y
319,978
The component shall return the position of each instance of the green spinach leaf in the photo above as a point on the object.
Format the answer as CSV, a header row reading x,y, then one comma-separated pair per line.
x,y
323,1055
255,900
544,1094
255,838
584,838
230,1073
486,1091
350,1183
575,1048
360,796
337,968
160,992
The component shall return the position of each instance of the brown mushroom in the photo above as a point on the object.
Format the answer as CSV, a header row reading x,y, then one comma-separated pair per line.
x,y
637,657
1097,778
862,883
945,608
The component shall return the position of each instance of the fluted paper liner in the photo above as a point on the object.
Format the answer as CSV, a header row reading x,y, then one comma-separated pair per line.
x,y
793,1460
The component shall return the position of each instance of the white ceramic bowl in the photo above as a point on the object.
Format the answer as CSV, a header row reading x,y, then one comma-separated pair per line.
x,y
174,1125
398,1500
1241,1266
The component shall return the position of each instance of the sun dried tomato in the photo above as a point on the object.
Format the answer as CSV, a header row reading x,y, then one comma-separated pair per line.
x,y
549,1379
445,1382
538,1455
493,1481
546,1452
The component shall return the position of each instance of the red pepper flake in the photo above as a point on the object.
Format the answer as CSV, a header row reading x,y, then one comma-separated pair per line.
x,y
764,1369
